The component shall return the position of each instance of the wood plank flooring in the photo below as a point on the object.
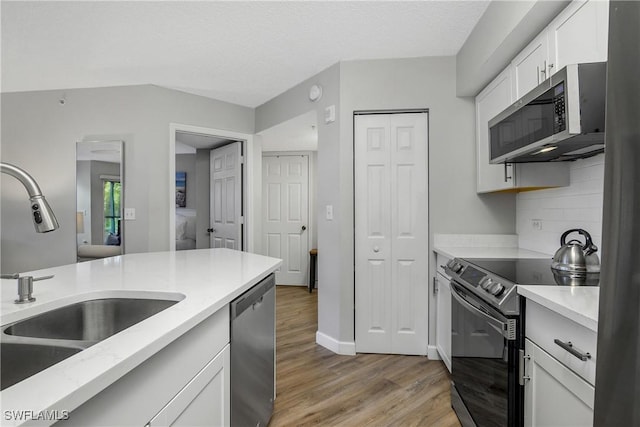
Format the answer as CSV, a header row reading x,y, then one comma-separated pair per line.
x,y
315,386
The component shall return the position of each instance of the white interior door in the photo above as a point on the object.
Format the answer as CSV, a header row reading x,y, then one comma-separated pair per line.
x,y
285,207
226,197
391,233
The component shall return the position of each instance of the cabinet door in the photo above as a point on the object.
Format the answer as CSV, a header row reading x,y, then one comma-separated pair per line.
x,y
443,320
553,394
489,103
529,67
579,34
202,402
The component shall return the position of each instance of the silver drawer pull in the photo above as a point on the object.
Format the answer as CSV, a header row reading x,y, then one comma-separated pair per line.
x,y
571,349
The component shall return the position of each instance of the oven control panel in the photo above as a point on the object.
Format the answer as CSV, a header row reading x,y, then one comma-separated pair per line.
x,y
486,285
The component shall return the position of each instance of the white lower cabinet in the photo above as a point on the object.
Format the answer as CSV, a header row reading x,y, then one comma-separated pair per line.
x,y
202,402
559,369
184,384
443,321
554,395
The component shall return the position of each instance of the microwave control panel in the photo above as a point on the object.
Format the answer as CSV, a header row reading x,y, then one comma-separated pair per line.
x,y
559,109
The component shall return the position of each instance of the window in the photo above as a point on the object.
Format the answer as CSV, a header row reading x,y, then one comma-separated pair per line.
x,y
111,193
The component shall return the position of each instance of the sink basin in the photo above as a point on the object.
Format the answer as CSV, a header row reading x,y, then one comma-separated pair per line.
x,y
92,320
20,361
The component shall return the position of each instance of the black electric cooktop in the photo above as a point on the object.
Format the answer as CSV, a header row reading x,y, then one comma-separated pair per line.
x,y
532,271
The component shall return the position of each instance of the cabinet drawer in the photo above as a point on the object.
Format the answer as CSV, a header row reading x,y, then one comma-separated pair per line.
x,y
544,326
441,261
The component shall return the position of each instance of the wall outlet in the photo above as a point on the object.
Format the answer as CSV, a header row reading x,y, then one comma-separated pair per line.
x,y
536,224
129,214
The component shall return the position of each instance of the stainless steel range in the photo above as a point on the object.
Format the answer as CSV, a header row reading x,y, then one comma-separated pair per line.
x,y
487,318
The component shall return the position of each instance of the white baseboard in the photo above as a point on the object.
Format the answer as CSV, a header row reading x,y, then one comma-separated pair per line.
x,y
339,347
432,353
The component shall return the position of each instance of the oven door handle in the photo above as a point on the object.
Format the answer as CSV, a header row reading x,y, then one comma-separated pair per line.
x,y
507,329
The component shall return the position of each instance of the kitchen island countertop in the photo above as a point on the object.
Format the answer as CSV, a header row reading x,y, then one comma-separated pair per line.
x,y
204,281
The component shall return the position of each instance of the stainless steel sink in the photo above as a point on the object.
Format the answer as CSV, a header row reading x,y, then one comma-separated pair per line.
x,y
92,320
38,342
20,361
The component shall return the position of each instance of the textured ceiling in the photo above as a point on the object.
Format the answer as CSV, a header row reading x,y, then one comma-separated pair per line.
x,y
240,52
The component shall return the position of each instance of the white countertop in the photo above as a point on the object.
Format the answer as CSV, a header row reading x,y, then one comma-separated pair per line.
x,y
203,280
488,252
578,303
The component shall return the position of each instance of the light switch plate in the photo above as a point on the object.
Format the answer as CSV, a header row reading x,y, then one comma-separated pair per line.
x,y
330,114
129,214
329,214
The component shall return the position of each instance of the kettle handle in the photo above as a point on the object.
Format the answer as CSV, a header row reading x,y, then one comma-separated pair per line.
x,y
588,245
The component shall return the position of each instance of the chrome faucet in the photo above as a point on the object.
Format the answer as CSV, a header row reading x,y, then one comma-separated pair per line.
x,y
43,218
25,286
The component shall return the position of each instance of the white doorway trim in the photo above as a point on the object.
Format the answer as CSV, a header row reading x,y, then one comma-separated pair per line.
x,y
248,177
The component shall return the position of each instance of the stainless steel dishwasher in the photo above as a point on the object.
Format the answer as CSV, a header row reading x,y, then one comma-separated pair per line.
x,y
253,355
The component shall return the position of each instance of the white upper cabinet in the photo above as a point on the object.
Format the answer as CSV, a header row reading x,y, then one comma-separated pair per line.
x,y
530,66
512,177
489,103
579,34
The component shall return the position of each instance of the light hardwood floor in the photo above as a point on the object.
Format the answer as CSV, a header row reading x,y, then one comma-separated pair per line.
x,y
315,386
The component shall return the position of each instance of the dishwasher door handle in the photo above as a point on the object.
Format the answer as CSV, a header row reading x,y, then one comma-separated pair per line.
x,y
258,303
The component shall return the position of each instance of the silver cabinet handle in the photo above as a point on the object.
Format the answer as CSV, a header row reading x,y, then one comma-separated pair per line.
x,y
543,71
571,349
523,372
507,177
376,249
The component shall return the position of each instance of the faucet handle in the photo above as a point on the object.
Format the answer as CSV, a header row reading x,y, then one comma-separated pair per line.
x,y
10,276
35,279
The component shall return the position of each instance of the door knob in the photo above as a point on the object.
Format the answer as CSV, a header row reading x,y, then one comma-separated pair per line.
x,y
211,230
304,227
376,249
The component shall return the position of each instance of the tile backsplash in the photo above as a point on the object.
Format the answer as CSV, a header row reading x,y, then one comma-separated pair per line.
x,y
542,216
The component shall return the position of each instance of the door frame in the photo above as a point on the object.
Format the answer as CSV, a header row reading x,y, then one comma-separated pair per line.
x,y
248,240
429,260
311,190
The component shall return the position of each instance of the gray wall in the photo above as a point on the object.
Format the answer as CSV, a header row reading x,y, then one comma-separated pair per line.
x,y
331,263
454,205
187,163
504,29
40,135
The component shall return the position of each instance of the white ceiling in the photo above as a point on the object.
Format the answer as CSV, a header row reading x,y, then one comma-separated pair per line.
x,y
198,141
245,52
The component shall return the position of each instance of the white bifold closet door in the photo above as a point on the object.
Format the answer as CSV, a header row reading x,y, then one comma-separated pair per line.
x,y
391,233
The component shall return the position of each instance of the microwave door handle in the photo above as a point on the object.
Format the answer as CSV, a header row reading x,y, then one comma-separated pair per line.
x,y
502,327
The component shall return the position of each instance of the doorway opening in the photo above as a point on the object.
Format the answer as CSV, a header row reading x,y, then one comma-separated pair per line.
x,y
289,232
209,189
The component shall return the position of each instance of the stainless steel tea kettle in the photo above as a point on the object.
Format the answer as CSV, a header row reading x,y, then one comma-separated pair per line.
x,y
574,257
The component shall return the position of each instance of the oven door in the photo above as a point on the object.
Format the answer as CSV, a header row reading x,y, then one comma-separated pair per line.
x,y
484,355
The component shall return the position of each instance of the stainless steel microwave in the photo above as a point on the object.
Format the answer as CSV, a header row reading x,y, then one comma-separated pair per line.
x,y
561,119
